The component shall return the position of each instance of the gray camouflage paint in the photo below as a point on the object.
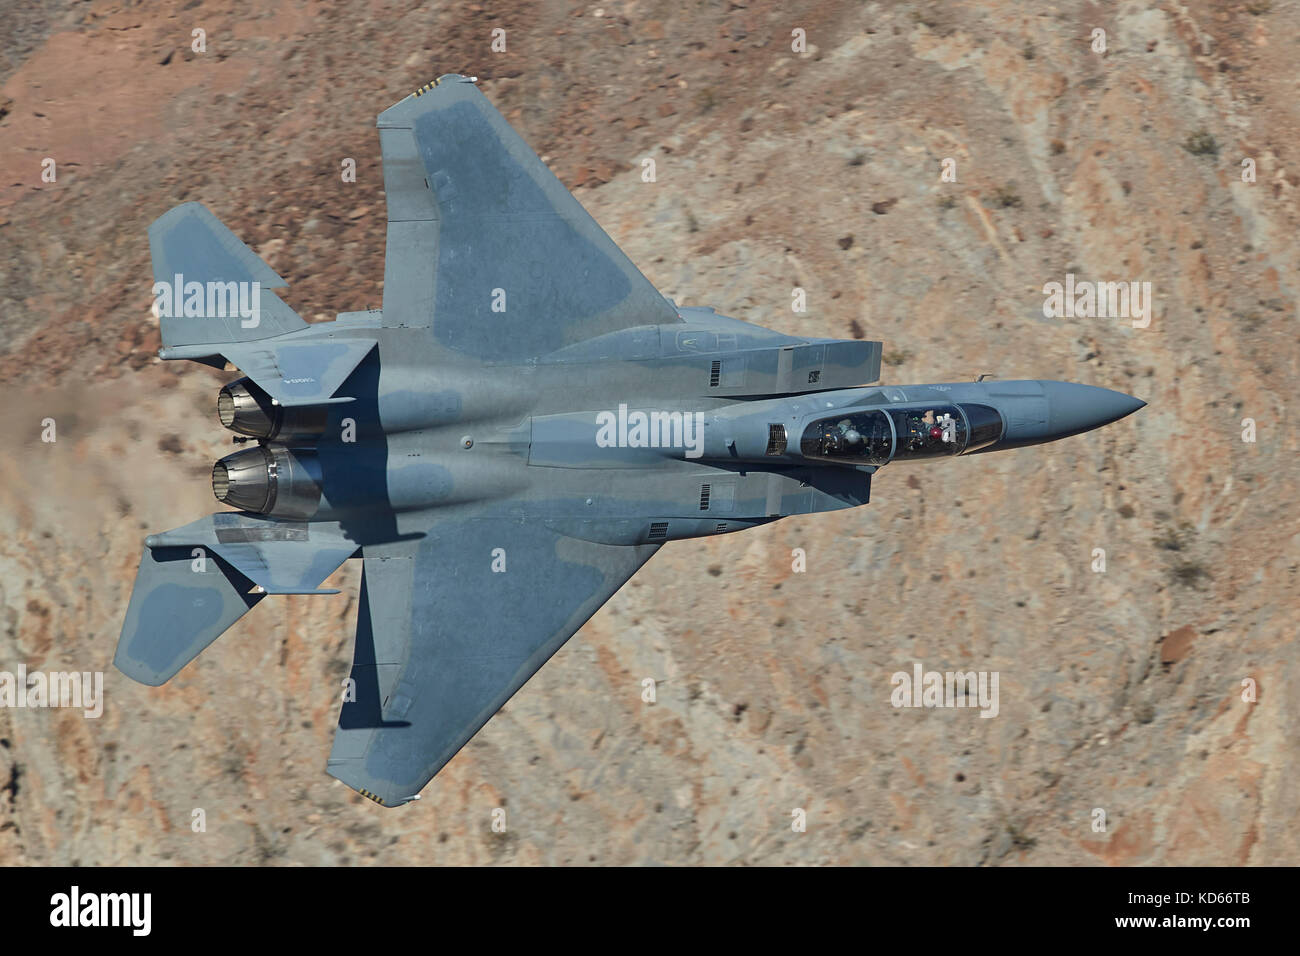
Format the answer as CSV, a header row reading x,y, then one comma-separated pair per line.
x,y
477,429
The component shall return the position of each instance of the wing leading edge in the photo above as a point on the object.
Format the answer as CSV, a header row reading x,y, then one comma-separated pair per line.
x,y
486,248
444,640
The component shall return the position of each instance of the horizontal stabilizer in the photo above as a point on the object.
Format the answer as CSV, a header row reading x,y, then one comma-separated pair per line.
x,y
299,373
281,556
179,606
195,582
210,287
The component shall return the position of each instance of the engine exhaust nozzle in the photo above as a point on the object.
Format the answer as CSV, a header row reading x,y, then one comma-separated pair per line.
x,y
245,408
270,480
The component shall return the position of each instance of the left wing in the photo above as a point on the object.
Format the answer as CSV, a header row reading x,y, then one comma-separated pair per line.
x,y
446,633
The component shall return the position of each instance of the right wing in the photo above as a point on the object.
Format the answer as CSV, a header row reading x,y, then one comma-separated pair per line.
x,y
444,640
485,246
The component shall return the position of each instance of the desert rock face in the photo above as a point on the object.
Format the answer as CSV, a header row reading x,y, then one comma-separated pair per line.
x,y
1121,691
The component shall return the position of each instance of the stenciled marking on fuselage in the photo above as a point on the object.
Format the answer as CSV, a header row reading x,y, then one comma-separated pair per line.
x,y
651,429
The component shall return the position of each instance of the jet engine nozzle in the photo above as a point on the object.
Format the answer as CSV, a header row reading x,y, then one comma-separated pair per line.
x,y
245,408
270,480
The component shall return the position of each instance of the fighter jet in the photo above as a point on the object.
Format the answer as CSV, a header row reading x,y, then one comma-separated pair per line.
x,y
524,423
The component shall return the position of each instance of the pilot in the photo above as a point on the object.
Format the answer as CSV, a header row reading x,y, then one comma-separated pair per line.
x,y
833,437
931,430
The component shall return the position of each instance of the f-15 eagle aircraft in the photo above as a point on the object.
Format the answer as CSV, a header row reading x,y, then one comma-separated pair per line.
x,y
524,423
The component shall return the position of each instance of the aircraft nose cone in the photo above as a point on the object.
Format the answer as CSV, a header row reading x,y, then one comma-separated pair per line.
x,y
1072,408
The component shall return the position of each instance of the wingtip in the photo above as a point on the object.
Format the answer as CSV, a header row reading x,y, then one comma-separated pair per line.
x,y
342,770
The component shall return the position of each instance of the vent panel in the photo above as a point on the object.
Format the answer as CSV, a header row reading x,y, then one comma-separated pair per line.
x,y
776,439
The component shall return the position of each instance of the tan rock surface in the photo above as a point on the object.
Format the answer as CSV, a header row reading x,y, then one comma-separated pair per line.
x,y
1118,690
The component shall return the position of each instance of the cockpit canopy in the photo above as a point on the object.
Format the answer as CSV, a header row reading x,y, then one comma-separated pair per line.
x,y
857,438
879,436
